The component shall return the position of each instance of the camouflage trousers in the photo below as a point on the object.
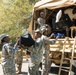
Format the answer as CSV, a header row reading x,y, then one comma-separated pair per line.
x,y
9,71
46,65
19,60
46,62
34,70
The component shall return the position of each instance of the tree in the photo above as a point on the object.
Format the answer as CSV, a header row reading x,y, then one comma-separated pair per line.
x,y
15,15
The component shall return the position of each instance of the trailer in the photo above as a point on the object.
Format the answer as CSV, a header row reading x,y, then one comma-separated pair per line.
x,y
64,50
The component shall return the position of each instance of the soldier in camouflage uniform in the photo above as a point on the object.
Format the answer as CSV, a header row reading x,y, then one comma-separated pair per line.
x,y
19,58
8,62
41,19
36,49
38,35
46,62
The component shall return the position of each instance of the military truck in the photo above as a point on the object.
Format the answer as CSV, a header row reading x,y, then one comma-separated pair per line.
x,y
65,47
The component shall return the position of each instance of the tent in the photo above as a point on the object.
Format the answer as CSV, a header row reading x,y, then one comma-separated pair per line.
x,y
50,4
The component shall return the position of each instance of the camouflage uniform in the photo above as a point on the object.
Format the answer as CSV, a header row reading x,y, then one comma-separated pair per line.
x,y
46,62
8,62
41,21
19,59
37,53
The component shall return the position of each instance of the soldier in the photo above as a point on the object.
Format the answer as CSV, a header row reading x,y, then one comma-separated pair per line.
x,y
38,35
8,51
41,19
46,62
36,49
19,58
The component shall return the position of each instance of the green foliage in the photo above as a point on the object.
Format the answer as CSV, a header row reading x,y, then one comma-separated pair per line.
x,y
15,15
33,1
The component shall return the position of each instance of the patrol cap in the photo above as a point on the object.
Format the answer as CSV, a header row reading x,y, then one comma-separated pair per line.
x,y
3,36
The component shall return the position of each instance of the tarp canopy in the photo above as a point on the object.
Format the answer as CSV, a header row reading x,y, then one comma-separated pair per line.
x,y
53,4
